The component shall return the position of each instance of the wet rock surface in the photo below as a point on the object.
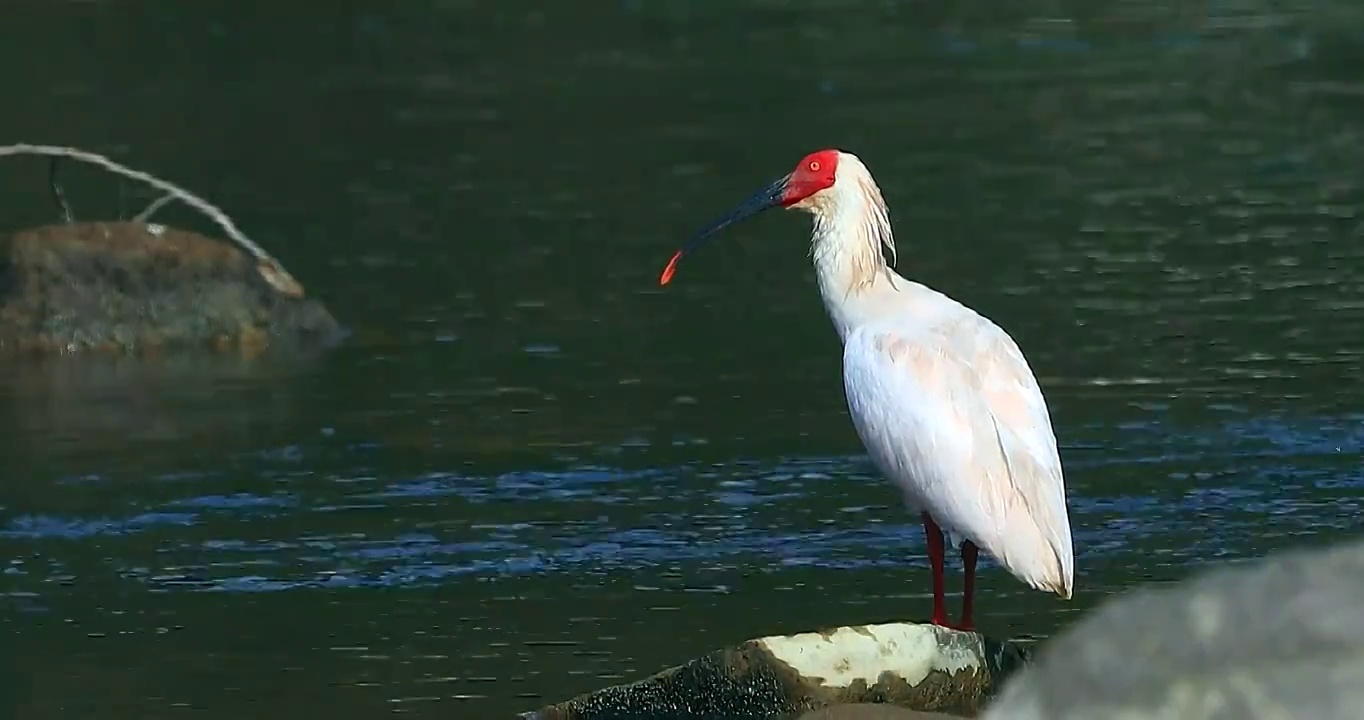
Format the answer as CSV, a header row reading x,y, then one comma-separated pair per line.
x,y
1281,637
128,287
868,711
912,666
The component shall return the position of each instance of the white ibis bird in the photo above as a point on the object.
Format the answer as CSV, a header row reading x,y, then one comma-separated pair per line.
x,y
941,397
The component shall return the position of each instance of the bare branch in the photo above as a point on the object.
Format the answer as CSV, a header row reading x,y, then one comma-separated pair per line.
x,y
269,267
57,193
157,204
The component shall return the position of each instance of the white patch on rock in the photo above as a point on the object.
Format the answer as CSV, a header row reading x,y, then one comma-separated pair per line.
x,y
909,651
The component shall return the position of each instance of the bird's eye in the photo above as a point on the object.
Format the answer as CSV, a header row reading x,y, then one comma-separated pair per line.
x,y
814,166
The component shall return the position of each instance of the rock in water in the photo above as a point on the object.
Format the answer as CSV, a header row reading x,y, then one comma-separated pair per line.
x,y
918,667
127,286
869,711
1281,637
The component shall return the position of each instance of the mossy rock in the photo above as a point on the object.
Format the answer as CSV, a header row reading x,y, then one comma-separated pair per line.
x,y
129,287
911,666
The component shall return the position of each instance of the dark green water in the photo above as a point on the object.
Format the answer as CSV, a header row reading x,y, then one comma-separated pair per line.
x,y
531,472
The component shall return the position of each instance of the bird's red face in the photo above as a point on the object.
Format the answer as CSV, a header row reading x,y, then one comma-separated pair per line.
x,y
814,173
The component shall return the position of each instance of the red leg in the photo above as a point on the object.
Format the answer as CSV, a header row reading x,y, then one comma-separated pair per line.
x,y
935,560
968,595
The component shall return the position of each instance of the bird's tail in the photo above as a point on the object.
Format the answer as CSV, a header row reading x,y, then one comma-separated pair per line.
x,y
1064,588
1040,563
1061,576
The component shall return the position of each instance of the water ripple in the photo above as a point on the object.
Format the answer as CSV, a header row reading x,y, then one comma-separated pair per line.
x,y
752,515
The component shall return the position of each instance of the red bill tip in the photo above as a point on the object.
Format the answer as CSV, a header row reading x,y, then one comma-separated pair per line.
x,y
668,271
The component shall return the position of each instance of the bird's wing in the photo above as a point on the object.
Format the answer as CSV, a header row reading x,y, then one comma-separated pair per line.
x,y
954,415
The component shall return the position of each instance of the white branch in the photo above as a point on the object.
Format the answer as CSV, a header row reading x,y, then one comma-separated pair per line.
x,y
157,204
271,270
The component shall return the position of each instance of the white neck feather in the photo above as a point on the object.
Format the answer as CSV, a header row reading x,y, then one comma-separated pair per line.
x,y
851,225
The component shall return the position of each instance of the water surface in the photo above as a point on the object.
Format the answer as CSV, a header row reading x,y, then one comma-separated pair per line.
x,y
531,472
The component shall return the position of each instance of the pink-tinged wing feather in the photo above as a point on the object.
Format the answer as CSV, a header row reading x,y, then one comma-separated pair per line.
x,y
953,415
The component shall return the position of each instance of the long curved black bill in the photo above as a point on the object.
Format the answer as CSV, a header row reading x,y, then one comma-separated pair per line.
x,y
768,197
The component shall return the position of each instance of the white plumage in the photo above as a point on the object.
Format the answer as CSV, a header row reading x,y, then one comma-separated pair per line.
x,y
950,412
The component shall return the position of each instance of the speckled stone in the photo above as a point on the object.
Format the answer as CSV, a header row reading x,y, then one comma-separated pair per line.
x,y
125,287
913,666
1280,638
869,711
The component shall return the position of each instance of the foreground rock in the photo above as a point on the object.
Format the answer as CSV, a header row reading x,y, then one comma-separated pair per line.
x,y
916,667
1279,638
869,711
128,286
